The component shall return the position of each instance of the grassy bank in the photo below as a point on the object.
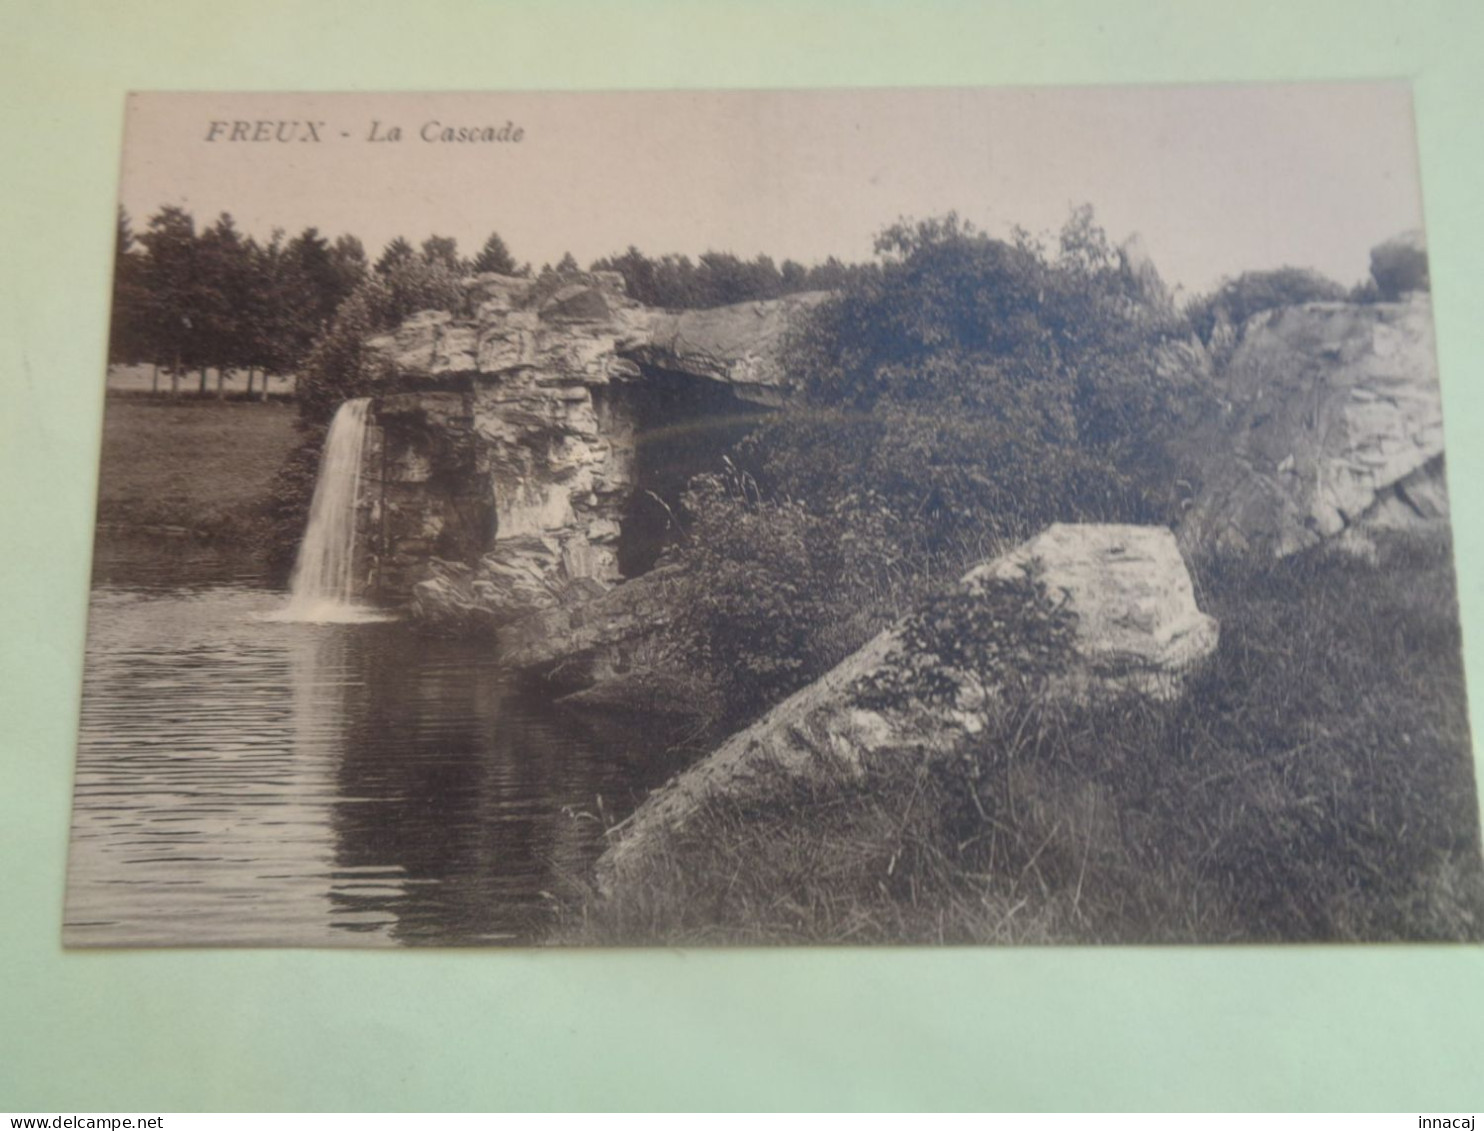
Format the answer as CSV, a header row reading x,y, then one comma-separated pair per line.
x,y
204,467
1315,783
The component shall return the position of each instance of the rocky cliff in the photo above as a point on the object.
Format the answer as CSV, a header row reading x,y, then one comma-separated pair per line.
x,y
513,432
1333,424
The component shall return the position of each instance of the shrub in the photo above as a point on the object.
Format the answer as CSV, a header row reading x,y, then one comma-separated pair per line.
x,y
1002,633
979,383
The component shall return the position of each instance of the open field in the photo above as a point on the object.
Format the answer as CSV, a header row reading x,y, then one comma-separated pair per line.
x,y
141,379
203,466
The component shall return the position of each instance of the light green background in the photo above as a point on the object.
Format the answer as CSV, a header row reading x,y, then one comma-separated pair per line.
x,y
1365,1028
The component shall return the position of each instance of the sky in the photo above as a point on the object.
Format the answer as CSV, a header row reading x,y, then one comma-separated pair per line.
x,y
1215,179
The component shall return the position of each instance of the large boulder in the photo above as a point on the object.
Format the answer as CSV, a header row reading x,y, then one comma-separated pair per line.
x,y
1135,629
1335,422
740,345
592,634
1399,265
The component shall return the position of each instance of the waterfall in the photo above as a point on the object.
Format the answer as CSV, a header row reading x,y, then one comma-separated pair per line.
x,y
324,582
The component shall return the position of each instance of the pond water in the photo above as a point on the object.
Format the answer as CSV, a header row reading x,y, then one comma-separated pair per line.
x,y
246,781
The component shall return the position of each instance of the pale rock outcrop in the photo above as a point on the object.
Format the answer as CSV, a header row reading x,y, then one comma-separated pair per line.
x,y
739,345
1137,631
1138,627
1335,421
508,430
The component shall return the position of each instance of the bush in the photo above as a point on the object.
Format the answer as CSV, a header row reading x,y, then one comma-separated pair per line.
x,y
1004,633
959,486
951,402
1314,783
980,384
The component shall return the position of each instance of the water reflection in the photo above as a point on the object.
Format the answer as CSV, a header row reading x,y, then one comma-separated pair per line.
x,y
245,781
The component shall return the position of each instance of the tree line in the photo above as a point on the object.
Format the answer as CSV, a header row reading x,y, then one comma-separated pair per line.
x,y
190,299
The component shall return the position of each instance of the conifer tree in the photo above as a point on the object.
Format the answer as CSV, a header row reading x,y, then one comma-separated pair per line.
x,y
395,252
494,256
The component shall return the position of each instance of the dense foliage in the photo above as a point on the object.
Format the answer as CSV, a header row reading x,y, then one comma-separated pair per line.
x,y
187,300
1226,309
774,591
984,385
954,398
1314,783
719,278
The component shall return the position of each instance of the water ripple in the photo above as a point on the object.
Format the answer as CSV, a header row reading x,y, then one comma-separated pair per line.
x,y
245,781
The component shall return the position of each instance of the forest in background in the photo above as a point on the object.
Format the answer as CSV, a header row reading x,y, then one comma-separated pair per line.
x,y
189,299
957,389
956,394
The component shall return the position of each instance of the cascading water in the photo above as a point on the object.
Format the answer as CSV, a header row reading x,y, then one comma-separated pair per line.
x,y
323,587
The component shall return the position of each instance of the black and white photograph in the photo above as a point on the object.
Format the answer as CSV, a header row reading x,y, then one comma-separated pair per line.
x,y
948,517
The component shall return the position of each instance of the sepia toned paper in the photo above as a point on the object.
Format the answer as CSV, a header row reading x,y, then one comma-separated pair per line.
x,y
539,519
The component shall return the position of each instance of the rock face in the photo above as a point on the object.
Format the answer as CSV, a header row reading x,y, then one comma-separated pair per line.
x,y
508,430
1137,630
1335,422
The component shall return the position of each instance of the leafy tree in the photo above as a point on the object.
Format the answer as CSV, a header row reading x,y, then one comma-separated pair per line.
x,y
341,365
128,337
443,251
638,272
308,288
270,322
276,327
349,264
1057,346
224,298
413,285
717,279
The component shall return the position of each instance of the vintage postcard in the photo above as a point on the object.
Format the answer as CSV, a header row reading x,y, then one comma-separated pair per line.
x,y
957,516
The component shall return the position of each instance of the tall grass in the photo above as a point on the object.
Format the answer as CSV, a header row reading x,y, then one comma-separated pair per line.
x,y
1314,783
